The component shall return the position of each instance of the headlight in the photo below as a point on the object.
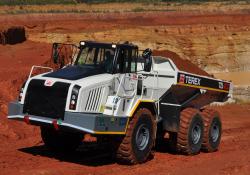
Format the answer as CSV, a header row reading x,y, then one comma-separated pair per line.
x,y
74,97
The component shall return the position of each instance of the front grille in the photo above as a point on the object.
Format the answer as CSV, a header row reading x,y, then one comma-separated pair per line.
x,y
94,100
46,101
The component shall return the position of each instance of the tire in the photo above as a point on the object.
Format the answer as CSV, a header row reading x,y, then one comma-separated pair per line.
x,y
212,130
136,146
59,141
190,134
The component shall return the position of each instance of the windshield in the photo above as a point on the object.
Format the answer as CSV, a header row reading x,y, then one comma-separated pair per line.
x,y
63,55
96,56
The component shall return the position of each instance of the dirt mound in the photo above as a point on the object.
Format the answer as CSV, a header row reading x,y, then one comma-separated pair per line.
x,y
12,35
183,65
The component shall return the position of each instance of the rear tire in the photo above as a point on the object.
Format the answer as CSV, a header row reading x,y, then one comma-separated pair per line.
x,y
212,130
139,140
190,134
59,141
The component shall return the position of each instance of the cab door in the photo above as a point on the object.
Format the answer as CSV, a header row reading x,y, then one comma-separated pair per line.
x,y
127,66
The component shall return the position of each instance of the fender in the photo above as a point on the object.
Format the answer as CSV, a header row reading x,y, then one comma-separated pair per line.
x,y
141,102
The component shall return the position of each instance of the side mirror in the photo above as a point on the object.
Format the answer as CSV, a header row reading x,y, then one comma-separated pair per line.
x,y
148,64
55,53
147,55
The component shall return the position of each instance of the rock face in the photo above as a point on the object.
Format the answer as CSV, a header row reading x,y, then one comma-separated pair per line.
x,y
12,35
216,42
219,52
216,48
242,93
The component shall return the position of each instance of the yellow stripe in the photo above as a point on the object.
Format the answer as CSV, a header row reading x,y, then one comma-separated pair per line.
x,y
202,87
113,132
126,125
134,108
108,132
137,104
131,114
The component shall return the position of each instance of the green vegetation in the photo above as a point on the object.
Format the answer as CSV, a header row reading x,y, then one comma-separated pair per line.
x,y
42,11
35,2
158,1
43,2
96,6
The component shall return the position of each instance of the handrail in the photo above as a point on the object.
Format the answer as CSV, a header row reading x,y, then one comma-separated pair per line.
x,y
42,67
121,85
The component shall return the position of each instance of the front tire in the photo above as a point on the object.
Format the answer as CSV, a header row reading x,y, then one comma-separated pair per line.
x,y
139,140
190,135
60,141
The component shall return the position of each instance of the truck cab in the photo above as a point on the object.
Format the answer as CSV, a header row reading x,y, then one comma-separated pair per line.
x,y
99,86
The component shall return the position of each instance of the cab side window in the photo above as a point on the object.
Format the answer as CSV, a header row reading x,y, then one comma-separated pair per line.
x,y
134,55
126,62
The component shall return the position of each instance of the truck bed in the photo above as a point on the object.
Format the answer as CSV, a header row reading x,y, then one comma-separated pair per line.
x,y
181,64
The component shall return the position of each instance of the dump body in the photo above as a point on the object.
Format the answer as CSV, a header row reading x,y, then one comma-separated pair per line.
x,y
178,90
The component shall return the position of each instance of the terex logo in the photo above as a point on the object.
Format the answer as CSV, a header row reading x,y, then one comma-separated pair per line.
x,y
182,78
49,83
221,85
186,79
192,80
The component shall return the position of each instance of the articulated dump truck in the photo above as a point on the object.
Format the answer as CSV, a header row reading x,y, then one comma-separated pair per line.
x,y
111,93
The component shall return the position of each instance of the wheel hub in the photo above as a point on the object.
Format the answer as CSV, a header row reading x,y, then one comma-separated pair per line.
x,y
196,134
142,137
215,132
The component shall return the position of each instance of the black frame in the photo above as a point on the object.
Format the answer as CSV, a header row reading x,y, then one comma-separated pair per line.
x,y
55,45
118,48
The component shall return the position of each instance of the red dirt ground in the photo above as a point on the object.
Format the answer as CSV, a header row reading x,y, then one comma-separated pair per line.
x,y
22,151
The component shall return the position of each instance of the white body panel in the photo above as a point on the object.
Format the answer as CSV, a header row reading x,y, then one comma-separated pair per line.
x,y
116,94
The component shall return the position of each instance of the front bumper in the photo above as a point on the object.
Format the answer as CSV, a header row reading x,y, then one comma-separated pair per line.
x,y
84,122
